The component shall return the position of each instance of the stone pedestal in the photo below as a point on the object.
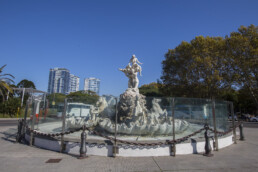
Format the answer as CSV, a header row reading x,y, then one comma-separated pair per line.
x,y
131,106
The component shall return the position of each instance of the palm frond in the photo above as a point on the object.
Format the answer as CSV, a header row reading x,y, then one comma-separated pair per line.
x,y
7,74
2,68
6,86
6,79
2,94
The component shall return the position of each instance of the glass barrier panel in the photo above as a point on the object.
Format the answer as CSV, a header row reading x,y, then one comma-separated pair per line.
x,y
139,118
222,111
97,113
29,113
49,115
190,116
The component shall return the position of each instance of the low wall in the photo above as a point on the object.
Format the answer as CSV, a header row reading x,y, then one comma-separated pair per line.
x,y
129,150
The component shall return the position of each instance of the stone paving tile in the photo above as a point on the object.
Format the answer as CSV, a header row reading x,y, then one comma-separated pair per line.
x,y
242,156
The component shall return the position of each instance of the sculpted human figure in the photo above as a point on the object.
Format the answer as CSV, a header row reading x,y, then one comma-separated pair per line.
x,y
135,80
136,66
128,72
131,71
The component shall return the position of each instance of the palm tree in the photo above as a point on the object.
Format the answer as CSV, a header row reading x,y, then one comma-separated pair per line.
x,y
4,83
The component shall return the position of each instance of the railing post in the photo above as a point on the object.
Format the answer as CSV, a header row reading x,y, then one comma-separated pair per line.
x,y
19,132
173,148
23,123
242,137
62,148
115,147
83,148
214,125
207,142
233,121
33,122
26,111
46,109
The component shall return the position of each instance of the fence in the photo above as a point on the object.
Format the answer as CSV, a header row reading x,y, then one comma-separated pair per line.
x,y
151,121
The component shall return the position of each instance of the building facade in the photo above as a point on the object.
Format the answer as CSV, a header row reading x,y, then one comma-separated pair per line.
x,y
74,83
92,84
61,81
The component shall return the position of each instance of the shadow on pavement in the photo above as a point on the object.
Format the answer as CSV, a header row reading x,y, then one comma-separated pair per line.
x,y
9,135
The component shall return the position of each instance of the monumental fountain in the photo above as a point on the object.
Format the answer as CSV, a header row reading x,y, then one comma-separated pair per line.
x,y
134,118
130,119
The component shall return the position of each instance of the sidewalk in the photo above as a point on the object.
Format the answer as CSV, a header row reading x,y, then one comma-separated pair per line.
x,y
239,157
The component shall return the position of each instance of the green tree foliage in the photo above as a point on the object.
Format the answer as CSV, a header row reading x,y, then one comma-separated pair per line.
x,y
56,98
245,103
195,69
26,84
215,67
242,54
10,107
5,80
151,90
87,97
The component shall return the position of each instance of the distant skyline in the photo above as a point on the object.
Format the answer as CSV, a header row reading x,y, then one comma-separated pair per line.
x,y
95,38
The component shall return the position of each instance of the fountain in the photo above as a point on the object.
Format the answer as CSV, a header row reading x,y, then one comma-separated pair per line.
x,y
133,116
131,120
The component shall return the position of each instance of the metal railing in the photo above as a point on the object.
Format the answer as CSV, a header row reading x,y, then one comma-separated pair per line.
x,y
212,118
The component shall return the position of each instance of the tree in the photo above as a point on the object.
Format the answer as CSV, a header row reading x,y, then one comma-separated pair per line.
x,y
56,97
242,52
151,90
246,104
195,69
26,84
215,67
88,97
10,107
5,80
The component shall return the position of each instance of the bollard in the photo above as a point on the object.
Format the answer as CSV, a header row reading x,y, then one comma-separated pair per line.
x,y
83,148
19,132
242,137
115,150
23,131
115,147
173,149
63,145
207,142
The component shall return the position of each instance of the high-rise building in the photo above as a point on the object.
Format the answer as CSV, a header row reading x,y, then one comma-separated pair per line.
x,y
61,81
92,84
58,81
74,83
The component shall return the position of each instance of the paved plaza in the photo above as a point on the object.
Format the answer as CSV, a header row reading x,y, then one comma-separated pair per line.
x,y
242,157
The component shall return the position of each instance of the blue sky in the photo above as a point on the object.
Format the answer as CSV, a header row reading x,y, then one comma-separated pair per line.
x,y
95,38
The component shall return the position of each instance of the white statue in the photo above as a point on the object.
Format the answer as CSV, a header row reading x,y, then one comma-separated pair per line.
x,y
136,66
131,71
135,118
